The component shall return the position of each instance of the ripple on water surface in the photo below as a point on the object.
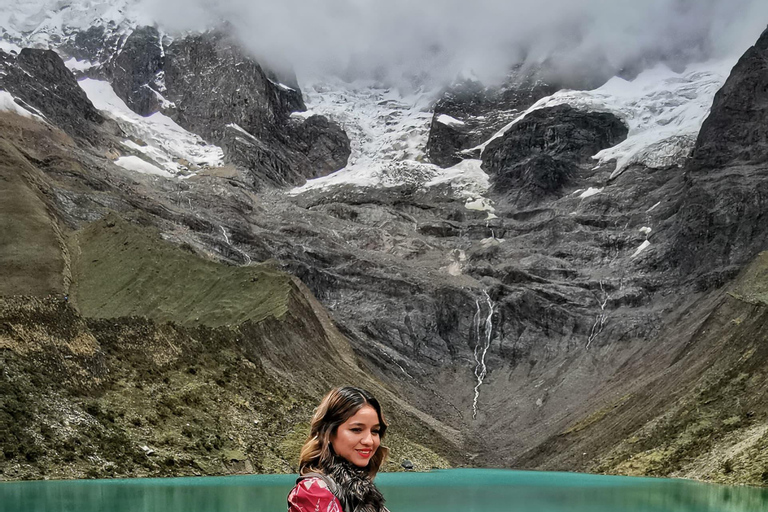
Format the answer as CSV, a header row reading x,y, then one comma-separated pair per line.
x,y
464,490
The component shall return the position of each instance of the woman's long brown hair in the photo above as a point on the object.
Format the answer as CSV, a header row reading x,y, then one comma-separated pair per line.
x,y
338,406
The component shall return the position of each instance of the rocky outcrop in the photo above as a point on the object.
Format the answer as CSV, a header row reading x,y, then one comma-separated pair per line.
x,y
537,156
721,219
213,83
324,143
720,223
248,112
735,130
40,79
209,85
481,111
137,71
95,44
446,139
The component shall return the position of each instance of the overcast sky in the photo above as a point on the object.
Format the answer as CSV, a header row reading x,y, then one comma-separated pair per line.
x,y
435,40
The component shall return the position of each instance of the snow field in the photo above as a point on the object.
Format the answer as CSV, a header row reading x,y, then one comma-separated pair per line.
x,y
388,133
174,150
7,104
663,109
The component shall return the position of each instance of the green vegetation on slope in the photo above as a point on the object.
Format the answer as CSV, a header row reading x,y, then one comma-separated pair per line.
x,y
125,270
130,397
706,431
752,284
31,259
702,413
143,399
138,386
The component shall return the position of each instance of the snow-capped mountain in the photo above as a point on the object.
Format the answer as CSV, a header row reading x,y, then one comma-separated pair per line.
x,y
663,110
388,132
50,23
520,262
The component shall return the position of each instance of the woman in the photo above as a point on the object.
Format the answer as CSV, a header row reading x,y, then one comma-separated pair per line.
x,y
342,455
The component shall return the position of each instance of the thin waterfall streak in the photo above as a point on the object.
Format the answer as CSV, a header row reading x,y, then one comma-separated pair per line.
x,y
600,318
396,363
476,325
248,259
224,232
481,369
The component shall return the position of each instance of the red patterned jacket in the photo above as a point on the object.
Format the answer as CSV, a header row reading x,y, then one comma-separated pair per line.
x,y
312,495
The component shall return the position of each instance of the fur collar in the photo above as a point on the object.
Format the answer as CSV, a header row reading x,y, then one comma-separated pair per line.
x,y
356,491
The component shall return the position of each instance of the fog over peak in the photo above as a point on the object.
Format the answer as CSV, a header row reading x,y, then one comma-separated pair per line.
x,y
431,42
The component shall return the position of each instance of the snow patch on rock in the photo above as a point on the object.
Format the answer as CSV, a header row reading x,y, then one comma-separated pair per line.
x,y
663,109
449,121
8,104
79,65
171,147
388,132
640,249
591,191
134,163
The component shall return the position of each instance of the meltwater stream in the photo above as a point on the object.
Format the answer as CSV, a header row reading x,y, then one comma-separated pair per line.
x,y
482,344
460,490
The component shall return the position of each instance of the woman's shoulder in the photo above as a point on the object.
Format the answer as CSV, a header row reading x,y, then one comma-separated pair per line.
x,y
312,494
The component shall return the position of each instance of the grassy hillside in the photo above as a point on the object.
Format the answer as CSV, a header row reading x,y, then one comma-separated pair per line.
x,y
164,363
694,406
31,256
122,269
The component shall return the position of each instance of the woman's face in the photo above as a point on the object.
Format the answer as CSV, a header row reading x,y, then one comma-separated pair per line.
x,y
357,439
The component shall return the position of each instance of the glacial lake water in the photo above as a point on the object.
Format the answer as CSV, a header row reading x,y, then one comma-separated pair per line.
x,y
464,490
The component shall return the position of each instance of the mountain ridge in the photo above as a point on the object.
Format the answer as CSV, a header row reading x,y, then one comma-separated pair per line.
x,y
495,324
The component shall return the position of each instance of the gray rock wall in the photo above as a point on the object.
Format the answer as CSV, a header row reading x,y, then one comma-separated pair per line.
x,y
41,81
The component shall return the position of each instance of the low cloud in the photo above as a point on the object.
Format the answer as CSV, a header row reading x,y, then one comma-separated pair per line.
x,y
432,42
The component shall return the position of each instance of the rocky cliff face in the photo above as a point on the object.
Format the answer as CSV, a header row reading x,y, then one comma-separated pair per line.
x,y
40,79
539,155
210,86
136,72
733,133
719,225
480,111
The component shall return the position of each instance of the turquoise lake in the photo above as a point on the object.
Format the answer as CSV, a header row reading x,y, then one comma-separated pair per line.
x,y
464,490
